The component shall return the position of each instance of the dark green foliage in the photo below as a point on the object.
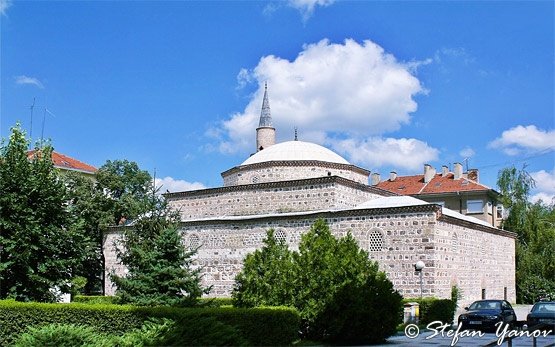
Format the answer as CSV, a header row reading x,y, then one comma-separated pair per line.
x,y
128,187
40,248
94,299
256,326
201,331
215,302
256,285
535,226
151,333
339,292
119,192
101,299
159,266
432,309
61,335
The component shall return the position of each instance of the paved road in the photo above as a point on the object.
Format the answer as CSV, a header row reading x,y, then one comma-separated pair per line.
x,y
449,338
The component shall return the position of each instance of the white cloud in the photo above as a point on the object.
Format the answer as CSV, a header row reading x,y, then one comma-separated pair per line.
x,y
374,152
307,7
351,89
520,138
545,186
28,80
4,5
173,185
467,152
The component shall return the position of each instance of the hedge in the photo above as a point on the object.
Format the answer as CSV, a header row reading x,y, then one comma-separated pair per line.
x,y
99,299
258,326
433,309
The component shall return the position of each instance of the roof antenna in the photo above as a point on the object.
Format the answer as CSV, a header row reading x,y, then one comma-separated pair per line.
x,y
466,162
296,134
46,110
31,127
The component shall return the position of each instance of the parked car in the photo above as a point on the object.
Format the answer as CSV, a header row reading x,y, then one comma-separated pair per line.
x,y
542,312
483,315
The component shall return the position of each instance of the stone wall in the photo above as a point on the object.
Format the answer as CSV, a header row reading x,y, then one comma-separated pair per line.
x,y
475,261
285,171
396,238
270,198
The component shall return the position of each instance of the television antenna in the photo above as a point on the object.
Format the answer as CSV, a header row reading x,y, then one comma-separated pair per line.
x,y
32,107
46,110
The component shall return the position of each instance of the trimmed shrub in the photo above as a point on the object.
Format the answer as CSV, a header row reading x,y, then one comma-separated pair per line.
x,y
255,326
61,335
94,299
433,309
215,302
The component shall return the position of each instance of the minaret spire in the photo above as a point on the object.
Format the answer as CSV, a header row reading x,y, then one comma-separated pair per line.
x,y
265,133
265,115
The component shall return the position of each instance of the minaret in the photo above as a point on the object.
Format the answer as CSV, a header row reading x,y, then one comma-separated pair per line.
x,y
265,133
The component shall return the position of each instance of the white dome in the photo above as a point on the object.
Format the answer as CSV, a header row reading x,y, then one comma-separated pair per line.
x,y
296,151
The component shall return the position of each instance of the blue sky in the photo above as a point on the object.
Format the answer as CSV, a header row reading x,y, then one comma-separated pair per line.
x,y
177,86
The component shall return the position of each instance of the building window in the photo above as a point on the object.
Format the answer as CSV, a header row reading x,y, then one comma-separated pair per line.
x,y
505,293
375,241
499,211
474,206
280,236
454,243
194,241
483,293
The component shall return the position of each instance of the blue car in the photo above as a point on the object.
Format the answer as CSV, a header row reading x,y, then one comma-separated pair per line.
x,y
542,316
484,315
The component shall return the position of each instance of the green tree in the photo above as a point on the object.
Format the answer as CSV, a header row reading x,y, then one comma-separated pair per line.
x,y
262,269
39,248
159,266
118,192
534,225
338,290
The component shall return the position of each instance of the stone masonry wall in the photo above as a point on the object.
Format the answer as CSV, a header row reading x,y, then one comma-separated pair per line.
x,y
397,240
474,261
245,202
249,175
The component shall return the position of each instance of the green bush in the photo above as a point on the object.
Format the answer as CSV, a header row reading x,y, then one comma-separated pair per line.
x,y
60,335
433,309
340,293
255,326
215,302
94,299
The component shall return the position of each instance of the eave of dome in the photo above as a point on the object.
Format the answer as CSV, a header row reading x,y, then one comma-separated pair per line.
x,y
295,151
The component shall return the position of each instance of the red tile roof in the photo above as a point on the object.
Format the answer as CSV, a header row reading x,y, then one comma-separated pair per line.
x,y
414,185
62,161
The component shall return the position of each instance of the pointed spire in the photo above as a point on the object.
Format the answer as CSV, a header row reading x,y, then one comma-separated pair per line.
x,y
296,134
265,116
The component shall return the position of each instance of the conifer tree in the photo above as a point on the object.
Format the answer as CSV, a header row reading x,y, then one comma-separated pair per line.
x,y
159,266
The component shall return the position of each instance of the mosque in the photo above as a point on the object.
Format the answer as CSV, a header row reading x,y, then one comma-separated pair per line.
x,y
287,186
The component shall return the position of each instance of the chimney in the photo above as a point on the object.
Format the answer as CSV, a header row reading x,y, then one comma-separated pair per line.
x,y
444,170
392,176
375,178
474,175
458,171
429,173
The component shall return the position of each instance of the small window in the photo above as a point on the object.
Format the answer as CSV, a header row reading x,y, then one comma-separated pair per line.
x,y
483,293
194,241
375,241
474,206
280,236
499,211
